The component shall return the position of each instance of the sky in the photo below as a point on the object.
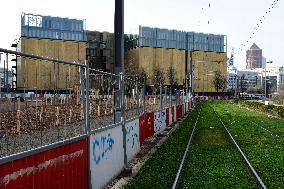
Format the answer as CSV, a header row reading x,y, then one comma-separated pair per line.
x,y
234,18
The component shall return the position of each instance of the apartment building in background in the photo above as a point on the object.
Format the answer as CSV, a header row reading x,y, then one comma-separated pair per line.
x,y
254,57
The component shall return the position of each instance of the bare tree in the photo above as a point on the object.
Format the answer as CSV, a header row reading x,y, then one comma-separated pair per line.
x,y
158,78
142,76
130,65
280,97
171,74
257,90
219,81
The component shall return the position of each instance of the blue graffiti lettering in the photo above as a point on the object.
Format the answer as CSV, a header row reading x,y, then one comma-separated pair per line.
x,y
101,146
132,136
97,157
110,142
157,123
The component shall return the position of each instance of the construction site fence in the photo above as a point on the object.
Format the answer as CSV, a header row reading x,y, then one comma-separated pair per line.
x,y
85,130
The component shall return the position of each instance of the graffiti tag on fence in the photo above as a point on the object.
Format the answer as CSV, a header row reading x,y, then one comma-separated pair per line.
x,y
132,136
164,115
157,122
101,147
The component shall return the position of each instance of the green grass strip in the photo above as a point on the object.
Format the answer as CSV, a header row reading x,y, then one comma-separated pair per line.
x,y
160,170
213,161
268,122
264,151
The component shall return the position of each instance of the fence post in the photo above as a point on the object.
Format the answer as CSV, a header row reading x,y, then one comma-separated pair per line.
x,y
170,97
176,97
87,99
161,104
121,94
161,98
166,95
144,98
137,97
86,118
183,103
84,92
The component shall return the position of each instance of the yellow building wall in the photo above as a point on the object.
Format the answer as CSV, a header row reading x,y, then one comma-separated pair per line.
x,y
42,75
149,58
204,65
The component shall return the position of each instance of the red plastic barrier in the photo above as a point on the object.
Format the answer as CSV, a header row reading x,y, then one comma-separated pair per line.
x,y
179,111
146,126
62,167
167,117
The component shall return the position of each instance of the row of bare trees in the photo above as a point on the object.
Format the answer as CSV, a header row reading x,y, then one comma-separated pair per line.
x,y
160,76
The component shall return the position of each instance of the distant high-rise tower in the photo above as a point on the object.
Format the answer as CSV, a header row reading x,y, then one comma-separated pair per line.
x,y
254,57
263,62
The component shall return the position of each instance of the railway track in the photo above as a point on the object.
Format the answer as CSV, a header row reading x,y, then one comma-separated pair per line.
x,y
185,155
181,176
268,130
255,174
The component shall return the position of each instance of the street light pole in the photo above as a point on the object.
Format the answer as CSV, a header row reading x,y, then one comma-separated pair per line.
x,y
269,62
7,62
203,84
235,82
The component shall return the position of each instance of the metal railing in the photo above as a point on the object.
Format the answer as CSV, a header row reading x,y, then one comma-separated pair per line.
x,y
79,101
38,118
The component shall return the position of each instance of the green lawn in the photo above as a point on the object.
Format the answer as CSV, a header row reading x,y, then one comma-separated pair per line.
x,y
213,161
159,171
265,152
274,124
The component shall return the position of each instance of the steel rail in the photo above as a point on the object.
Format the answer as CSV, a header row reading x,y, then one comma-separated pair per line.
x,y
28,55
176,181
259,180
271,132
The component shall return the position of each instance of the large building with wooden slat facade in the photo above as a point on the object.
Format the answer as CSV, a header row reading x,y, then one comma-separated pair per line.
x,y
53,37
42,75
203,64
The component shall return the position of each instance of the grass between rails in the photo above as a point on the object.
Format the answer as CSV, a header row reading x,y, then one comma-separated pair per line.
x,y
160,170
213,161
273,124
259,106
265,152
